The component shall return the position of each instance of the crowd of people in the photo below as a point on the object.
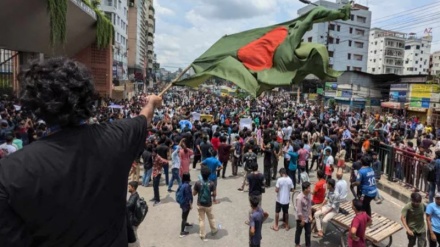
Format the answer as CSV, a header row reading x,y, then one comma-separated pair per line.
x,y
167,136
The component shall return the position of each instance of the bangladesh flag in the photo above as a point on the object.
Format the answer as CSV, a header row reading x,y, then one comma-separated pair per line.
x,y
260,59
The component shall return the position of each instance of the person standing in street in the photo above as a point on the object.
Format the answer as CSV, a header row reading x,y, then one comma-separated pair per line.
x,y
214,166
131,207
175,169
256,219
186,206
377,168
158,163
249,159
414,222
147,157
356,235
433,221
205,190
268,153
223,155
304,214
283,188
85,184
367,180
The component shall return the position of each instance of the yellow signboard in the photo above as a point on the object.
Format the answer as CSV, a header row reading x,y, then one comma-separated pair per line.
x,y
313,96
423,90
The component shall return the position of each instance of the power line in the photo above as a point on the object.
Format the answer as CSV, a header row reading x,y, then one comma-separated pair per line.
x,y
406,12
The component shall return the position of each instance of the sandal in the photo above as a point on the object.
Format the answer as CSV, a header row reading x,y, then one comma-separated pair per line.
x,y
317,235
273,228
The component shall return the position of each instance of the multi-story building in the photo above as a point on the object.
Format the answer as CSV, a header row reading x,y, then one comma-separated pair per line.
x,y
151,56
137,39
347,41
117,12
417,53
386,52
435,64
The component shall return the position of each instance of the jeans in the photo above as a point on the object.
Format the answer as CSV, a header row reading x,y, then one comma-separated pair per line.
x,y
434,243
267,176
174,176
366,204
292,176
184,220
156,181
197,158
166,171
299,228
420,238
224,164
314,158
147,177
300,169
235,165
275,168
431,191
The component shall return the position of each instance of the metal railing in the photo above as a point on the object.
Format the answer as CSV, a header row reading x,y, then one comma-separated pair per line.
x,y
409,169
7,67
402,166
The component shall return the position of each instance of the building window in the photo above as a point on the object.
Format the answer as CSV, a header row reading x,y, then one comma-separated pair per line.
x,y
407,47
331,27
360,32
359,44
374,69
421,52
421,59
337,41
374,51
351,30
349,56
417,62
330,53
309,39
375,43
374,60
423,45
416,54
418,47
357,69
349,43
109,2
352,17
357,57
338,28
330,40
348,68
361,19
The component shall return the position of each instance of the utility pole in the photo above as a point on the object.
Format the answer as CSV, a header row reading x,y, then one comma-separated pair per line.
x,y
323,86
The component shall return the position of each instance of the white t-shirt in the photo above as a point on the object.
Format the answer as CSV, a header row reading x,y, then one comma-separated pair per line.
x,y
330,161
284,184
8,149
341,188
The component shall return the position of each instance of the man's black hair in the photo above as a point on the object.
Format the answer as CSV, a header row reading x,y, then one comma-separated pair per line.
x,y
58,90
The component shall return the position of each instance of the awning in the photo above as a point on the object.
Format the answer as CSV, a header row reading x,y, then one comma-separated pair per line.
x,y
417,109
393,105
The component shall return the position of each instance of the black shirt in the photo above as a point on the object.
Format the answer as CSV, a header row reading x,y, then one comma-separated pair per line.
x,y
204,146
162,151
70,188
256,183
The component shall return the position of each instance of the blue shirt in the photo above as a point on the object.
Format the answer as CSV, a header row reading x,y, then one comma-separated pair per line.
x,y
368,181
433,210
212,163
293,160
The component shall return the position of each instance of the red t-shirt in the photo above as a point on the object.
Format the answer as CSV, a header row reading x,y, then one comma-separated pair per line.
x,y
215,141
319,189
360,222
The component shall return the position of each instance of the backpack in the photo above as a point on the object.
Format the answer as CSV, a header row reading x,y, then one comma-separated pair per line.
x,y
205,193
180,198
140,211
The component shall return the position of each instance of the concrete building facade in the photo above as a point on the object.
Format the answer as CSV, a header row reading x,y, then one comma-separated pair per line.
x,y
417,54
347,41
117,12
386,52
434,68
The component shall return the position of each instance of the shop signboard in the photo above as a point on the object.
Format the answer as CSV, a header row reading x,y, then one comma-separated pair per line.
x,y
313,96
320,90
330,86
419,102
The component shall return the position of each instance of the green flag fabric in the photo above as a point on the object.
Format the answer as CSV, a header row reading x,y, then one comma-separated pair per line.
x,y
261,59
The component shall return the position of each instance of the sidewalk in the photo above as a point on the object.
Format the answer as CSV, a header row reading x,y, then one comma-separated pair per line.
x,y
398,190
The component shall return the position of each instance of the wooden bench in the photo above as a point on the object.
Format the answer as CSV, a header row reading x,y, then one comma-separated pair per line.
x,y
381,229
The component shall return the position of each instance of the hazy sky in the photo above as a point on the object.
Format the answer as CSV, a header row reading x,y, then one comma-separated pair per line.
x,y
186,28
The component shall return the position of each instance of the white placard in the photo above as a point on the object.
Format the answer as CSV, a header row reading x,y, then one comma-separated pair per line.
x,y
246,122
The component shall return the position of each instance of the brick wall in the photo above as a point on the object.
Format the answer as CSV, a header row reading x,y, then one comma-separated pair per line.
x,y
100,62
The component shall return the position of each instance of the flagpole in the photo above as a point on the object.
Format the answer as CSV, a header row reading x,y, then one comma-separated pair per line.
x,y
174,81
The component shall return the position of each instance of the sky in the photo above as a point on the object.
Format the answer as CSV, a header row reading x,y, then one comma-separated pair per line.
x,y
187,28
